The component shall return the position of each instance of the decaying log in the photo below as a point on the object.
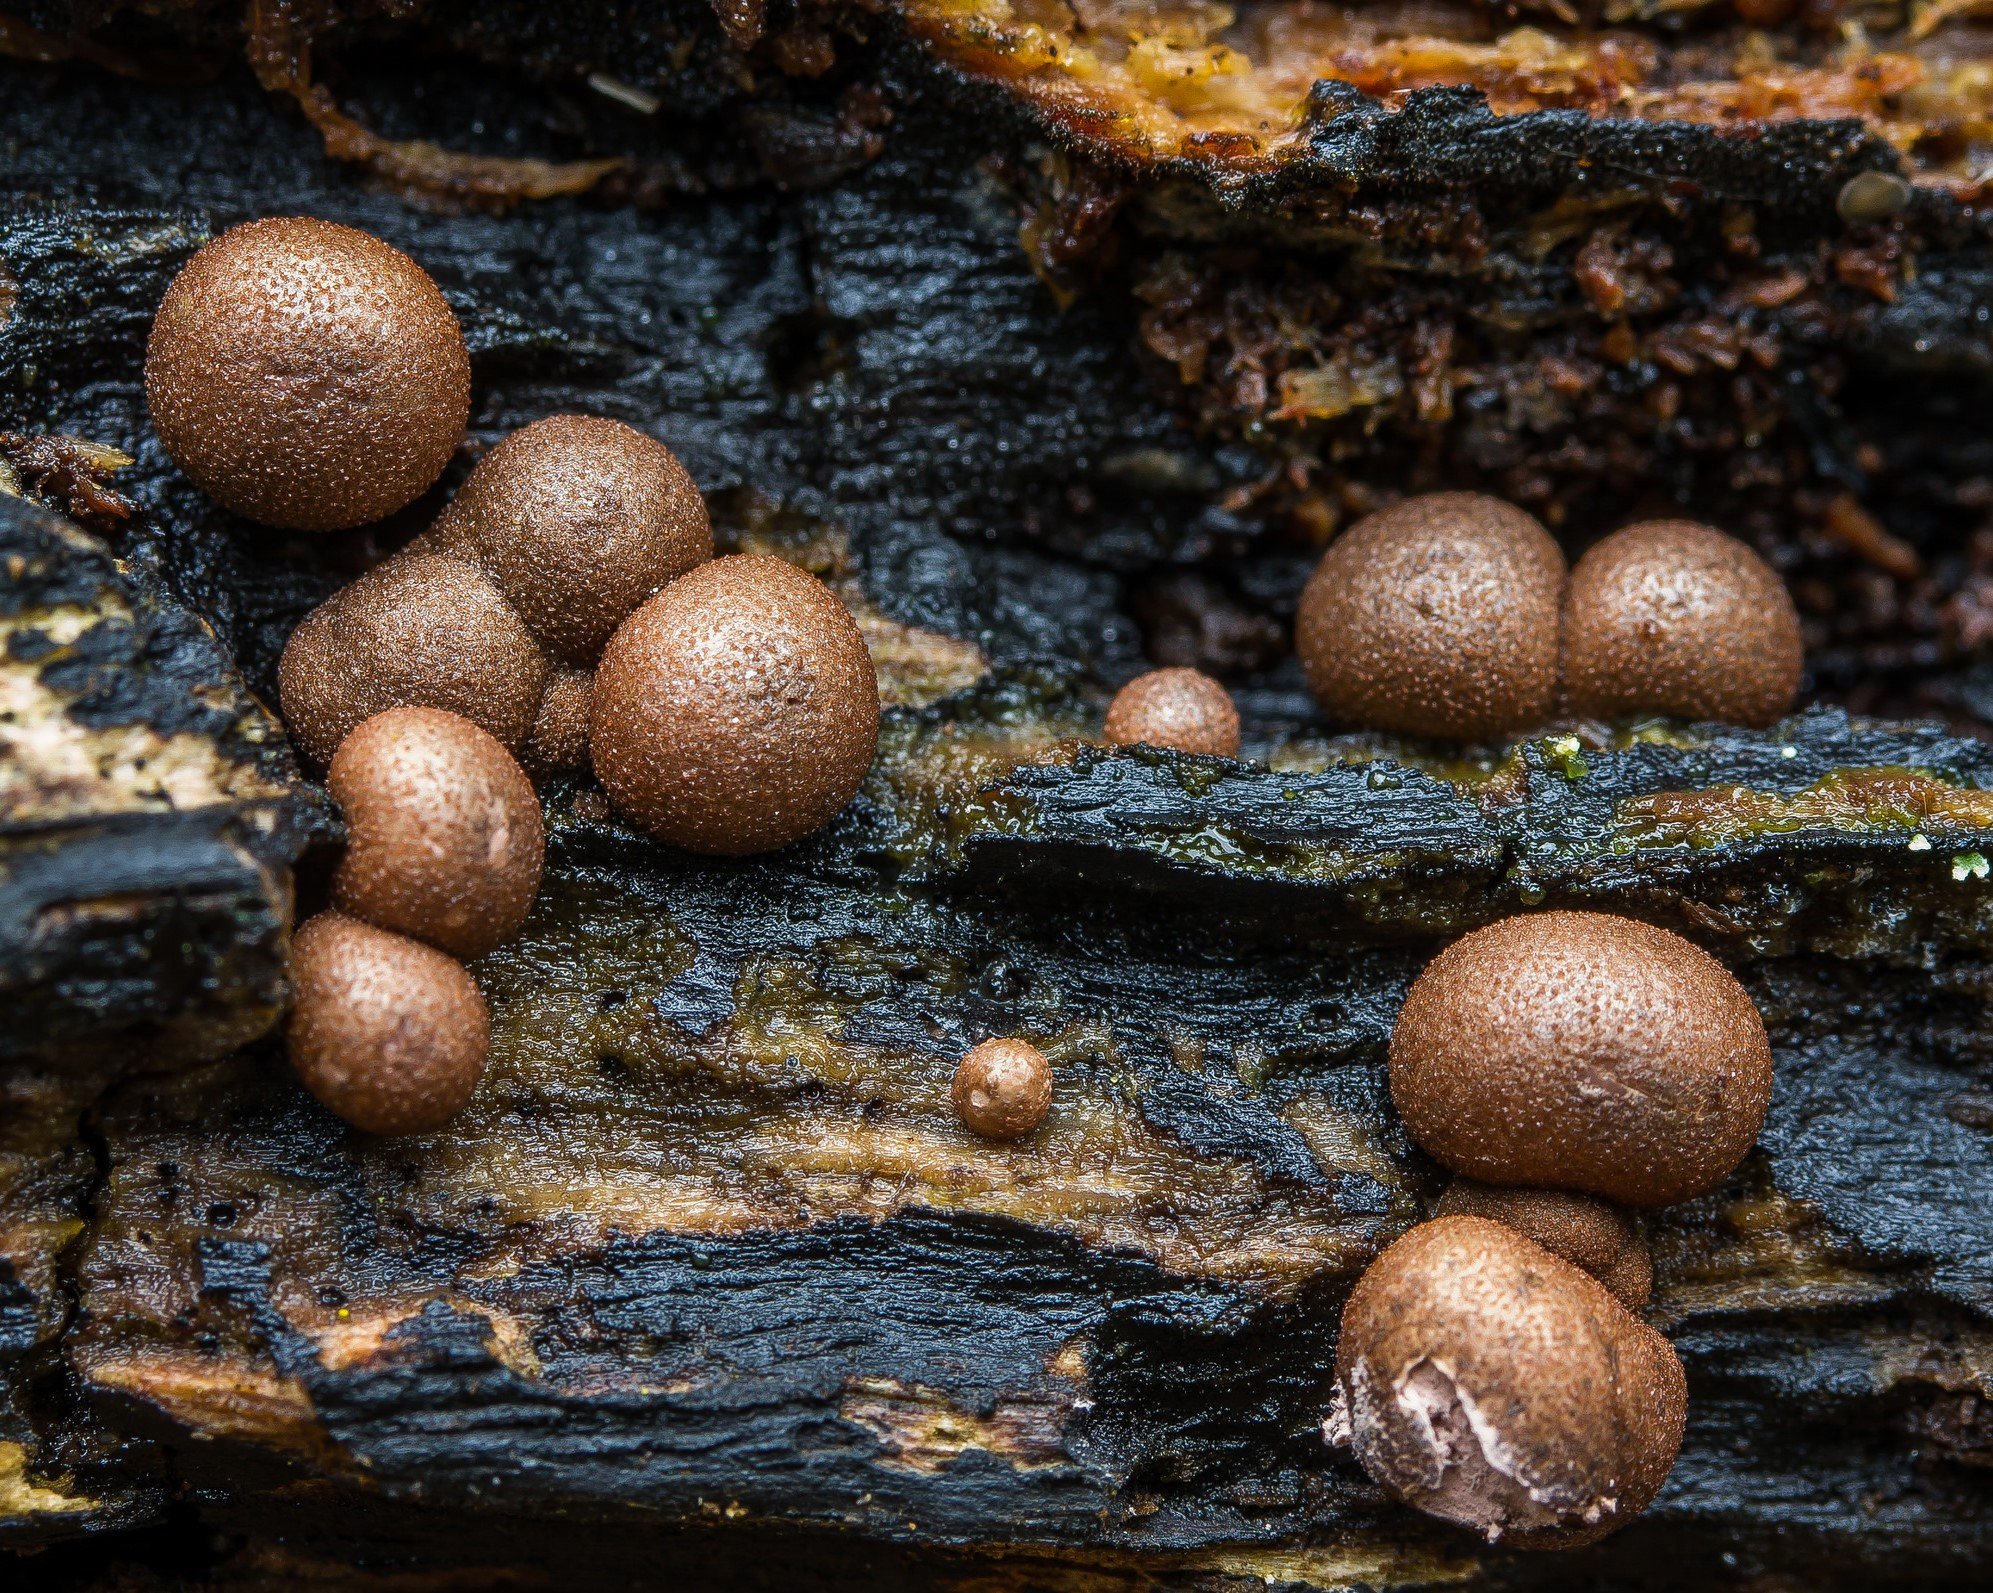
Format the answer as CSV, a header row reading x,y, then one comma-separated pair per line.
x,y
149,815
709,1247
707,1282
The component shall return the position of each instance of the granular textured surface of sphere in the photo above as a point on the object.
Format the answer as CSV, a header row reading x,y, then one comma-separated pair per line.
x,y
1184,709
307,375
1436,617
390,1034
578,520
1485,1381
1003,1088
1586,1231
421,629
1671,617
558,741
737,710
443,834
1582,1051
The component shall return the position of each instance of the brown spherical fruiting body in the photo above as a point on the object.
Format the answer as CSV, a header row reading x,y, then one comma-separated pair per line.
x,y
443,833
307,375
578,519
1671,617
1437,617
423,630
1584,1230
558,741
1490,1383
1003,1088
737,710
1582,1051
1183,709
390,1034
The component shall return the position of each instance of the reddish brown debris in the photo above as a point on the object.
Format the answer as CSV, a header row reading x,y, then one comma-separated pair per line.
x,y
69,475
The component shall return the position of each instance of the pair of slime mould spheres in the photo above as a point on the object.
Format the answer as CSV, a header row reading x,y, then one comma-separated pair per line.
x,y
1492,1367
566,612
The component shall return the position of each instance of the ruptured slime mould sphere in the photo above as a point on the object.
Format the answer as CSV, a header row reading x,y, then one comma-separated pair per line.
x,y
736,711
1582,1051
307,375
422,629
578,520
1671,617
1436,617
1181,709
388,1033
1485,1381
444,839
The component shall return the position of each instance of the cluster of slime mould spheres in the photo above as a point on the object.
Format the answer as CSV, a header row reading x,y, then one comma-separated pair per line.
x,y
972,794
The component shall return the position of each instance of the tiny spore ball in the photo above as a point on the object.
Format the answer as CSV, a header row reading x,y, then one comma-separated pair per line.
x,y
558,741
422,629
1436,617
1003,1088
1672,617
1582,1051
1184,710
307,375
578,519
444,839
736,711
1584,1230
1487,1382
388,1033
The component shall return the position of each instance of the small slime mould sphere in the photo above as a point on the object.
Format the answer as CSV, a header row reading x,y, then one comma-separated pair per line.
x,y
1437,617
1585,1052
423,630
307,375
388,1033
736,711
578,520
444,840
1003,1088
1485,1381
1184,710
1671,617
1582,1229
558,741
